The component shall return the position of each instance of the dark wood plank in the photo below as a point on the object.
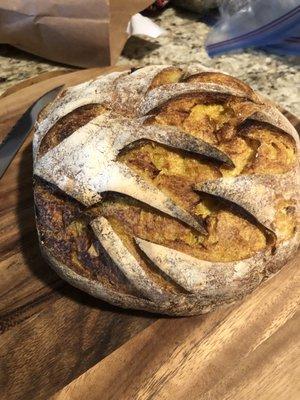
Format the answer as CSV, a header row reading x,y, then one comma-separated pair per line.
x,y
64,332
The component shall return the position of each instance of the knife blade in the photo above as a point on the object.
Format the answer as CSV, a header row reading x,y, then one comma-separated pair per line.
x,y
16,137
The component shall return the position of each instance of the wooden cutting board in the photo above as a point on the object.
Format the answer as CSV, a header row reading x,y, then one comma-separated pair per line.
x,y
58,341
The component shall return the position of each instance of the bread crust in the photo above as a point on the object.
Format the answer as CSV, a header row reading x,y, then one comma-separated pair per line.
x,y
250,274
132,99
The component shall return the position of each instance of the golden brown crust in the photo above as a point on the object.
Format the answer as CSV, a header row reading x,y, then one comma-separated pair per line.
x,y
64,228
237,251
218,77
230,236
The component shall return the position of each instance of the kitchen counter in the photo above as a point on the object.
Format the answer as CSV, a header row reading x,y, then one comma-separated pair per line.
x,y
273,76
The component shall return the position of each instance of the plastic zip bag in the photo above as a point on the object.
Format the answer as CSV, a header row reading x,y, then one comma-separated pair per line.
x,y
288,46
272,25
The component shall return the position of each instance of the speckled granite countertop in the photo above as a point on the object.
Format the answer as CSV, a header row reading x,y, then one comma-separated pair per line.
x,y
273,76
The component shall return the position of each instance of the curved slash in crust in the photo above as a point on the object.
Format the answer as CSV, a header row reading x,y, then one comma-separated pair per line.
x,y
256,194
84,165
226,80
270,114
126,261
123,180
201,302
168,135
196,275
176,305
96,288
130,89
228,280
98,91
158,96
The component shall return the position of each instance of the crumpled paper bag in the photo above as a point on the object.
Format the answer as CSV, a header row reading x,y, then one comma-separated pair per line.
x,y
84,33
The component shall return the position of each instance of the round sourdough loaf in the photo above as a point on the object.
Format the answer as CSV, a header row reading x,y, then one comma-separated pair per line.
x,y
166,189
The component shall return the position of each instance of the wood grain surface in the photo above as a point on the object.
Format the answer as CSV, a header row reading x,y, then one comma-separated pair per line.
x,y
248,351
56,339
35,79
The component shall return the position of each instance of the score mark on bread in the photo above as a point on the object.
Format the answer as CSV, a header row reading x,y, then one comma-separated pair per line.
x,y
168,189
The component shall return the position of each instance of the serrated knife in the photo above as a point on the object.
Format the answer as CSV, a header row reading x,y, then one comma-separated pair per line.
x,y
16,137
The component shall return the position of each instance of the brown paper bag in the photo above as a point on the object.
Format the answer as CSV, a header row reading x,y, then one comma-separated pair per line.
x,y
84,33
